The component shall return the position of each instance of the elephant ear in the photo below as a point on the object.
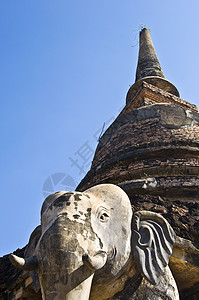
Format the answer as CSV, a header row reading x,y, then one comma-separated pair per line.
x,y
152,243
30,249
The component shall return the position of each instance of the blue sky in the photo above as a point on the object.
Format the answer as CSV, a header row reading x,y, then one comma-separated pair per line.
x,y
65,69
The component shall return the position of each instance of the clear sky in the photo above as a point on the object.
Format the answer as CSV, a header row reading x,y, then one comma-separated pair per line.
x,y
65,69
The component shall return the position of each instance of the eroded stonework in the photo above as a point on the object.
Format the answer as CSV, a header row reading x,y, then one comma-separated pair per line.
x,y
80,238
86,246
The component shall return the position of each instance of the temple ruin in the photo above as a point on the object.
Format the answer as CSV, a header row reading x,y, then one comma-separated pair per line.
x,y
151,151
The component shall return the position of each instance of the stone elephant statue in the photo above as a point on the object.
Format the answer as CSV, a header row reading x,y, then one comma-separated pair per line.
x,y
88,246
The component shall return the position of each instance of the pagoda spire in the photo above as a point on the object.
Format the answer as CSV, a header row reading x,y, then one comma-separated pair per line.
x,y
149,69
148,64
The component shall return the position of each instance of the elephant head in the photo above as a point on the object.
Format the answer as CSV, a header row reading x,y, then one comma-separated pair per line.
x,y
83,234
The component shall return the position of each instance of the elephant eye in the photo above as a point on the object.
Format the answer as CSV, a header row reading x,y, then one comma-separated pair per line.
x,y
103,214
104,217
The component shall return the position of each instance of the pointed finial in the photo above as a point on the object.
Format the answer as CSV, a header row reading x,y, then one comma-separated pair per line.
x,y
148,64
149,69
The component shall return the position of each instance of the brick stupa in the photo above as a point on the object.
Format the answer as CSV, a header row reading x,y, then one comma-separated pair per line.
x,y
151,151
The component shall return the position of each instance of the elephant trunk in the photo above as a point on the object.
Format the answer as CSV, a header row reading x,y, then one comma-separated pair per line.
x,y
73,282
81,291
79,281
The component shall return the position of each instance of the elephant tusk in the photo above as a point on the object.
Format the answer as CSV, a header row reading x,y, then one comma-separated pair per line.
x,y
96,262
27,264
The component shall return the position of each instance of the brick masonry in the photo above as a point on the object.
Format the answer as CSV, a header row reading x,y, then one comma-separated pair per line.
x,y
152,152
